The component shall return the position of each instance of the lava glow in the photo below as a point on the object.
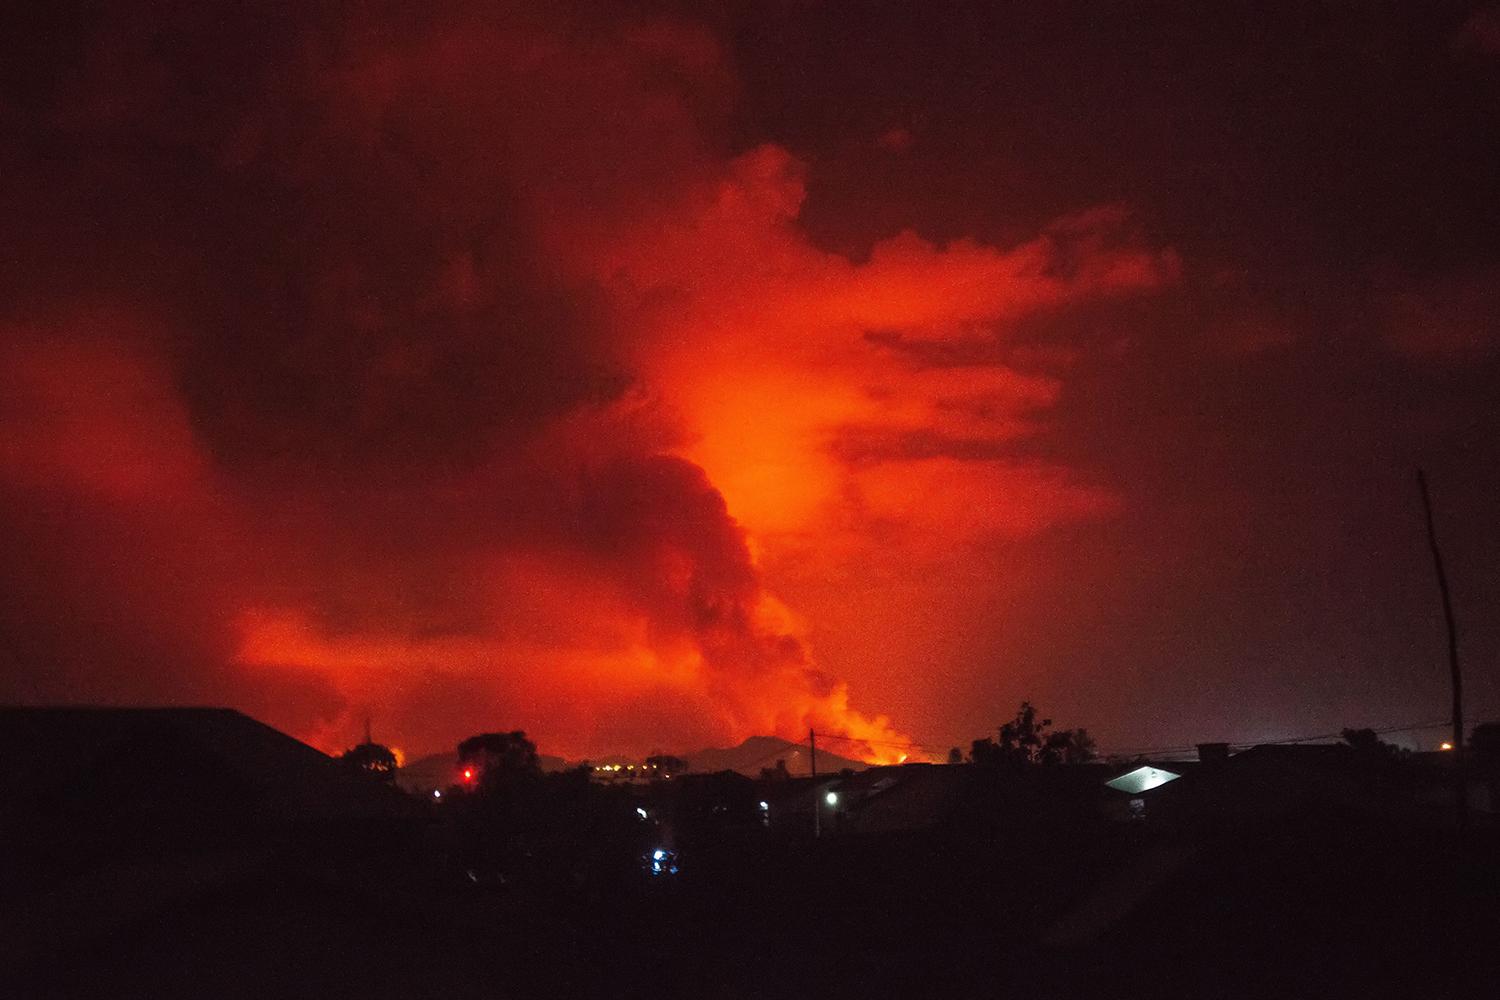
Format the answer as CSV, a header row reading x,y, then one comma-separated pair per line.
x,y
648,381
466,488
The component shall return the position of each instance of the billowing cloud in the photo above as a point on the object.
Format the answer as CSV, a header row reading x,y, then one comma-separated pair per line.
x,y
121,555
449,368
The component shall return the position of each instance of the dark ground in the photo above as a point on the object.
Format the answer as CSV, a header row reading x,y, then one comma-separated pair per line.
x,y
1321,911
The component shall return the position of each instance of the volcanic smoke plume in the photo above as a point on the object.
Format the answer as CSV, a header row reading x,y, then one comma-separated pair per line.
x,y
448,367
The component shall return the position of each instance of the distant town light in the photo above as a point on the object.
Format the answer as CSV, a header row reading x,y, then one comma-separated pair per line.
x,y
658,855
436,794
765,807
1445,745
640,812
832,798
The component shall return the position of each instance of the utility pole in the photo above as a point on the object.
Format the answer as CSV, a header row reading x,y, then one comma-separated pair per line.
x,y
1461,789
812,747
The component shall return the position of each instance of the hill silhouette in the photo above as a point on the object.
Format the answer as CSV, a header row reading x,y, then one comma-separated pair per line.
x,y
763,751
440,770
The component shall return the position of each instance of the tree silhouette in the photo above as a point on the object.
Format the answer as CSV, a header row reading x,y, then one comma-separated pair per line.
x,y
372,759
955,756
1067,746
665,765
500,757
1026,740
1021,739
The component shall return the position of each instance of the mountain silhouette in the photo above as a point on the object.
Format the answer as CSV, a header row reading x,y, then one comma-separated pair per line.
x,y
441,770
763,751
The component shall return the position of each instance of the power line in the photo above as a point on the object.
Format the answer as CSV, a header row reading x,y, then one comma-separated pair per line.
x,y
1381,731
1157,750
878,743
1340,733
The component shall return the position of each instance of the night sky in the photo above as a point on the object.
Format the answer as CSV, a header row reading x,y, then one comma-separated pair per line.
x,y
649,378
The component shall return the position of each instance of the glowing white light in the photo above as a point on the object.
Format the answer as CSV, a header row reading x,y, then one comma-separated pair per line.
x,y
436,794
765,807
1142,779
658,855
640,812
832,798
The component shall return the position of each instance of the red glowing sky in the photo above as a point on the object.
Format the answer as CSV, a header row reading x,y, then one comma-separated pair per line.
x,y
660,378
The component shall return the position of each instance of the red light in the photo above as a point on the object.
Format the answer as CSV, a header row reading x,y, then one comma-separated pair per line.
x,y
468,774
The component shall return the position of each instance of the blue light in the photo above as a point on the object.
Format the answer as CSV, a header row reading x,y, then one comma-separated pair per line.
x,y
659,862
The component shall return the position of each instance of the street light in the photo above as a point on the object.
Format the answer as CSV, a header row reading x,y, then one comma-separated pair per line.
x,y
832,798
